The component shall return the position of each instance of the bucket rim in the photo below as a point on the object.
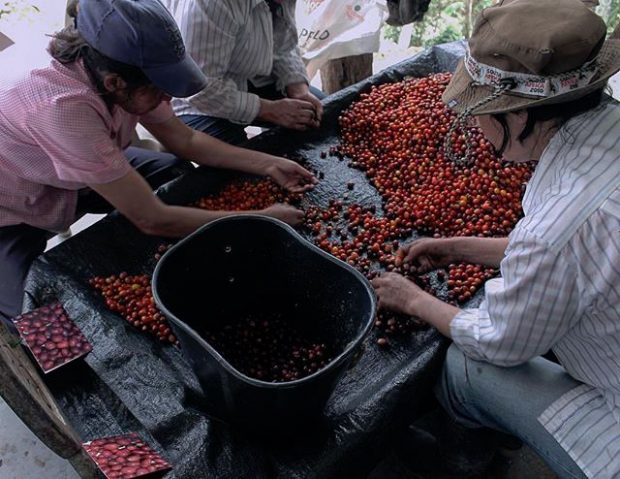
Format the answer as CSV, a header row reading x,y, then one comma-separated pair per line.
x,y
349,347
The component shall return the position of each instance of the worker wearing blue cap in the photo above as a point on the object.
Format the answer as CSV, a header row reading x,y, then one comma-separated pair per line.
x,y
66,125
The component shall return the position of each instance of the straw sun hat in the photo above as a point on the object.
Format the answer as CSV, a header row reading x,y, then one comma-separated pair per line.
x,y
527,53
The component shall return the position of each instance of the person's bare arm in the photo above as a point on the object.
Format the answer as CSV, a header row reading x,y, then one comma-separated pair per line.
x,y
132,196
397,293
616,33
181,140
486,251
427,253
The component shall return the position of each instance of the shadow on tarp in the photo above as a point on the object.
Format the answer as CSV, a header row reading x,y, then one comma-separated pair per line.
x,y
130,382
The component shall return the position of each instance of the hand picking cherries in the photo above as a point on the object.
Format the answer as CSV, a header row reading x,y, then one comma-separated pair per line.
x,y
124,457
51,336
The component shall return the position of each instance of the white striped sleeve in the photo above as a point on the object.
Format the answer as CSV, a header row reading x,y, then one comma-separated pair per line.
x,y
210,29
288,67
525,313
582,422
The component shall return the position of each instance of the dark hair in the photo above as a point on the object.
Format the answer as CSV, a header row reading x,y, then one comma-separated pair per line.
x,y
561,112
68,46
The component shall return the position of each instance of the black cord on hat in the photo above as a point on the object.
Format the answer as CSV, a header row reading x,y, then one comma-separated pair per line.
x,y
460,121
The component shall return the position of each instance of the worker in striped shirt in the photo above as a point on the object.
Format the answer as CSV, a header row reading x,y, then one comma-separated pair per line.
x,y
533,77
248,51
66,123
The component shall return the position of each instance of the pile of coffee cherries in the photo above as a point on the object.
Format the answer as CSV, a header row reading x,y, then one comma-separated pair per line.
x,y
248,195
269,348
388,324
353,234
465,279
396,135
131,297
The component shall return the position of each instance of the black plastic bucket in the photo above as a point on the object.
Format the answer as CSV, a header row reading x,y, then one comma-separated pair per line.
x,y
244,264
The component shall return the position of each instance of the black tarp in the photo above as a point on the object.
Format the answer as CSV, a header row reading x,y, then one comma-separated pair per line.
x,y
130,382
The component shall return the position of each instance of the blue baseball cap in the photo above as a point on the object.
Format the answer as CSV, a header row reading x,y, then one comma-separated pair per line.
x,y
141,33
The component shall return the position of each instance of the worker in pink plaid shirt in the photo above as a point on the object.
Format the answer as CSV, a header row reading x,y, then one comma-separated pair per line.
x,y
66,125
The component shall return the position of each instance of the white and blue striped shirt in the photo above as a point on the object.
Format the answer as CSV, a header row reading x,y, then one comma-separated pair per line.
x,y
560,288
233,42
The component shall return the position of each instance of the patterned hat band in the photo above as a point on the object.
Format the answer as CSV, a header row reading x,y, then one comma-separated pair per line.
x,y
528,84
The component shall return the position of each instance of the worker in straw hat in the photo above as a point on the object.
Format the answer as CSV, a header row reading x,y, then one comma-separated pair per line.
x,y
533,78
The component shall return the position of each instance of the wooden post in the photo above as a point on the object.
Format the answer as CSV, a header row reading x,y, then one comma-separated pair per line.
x,y
26,394
616,33
468,13
591,3
404,39
342,72
5,41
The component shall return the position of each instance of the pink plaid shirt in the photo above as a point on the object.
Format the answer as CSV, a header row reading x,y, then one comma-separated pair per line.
x,y
56,137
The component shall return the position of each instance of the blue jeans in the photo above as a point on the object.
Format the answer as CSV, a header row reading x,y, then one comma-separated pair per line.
x,y
220,128
21,244
509,400
234,133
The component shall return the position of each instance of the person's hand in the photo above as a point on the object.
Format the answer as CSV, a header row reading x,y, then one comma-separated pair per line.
x,y
396,293
289,113
426,254
287,213
300,91
290,175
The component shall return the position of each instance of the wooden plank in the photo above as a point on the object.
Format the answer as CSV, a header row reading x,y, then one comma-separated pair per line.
x,y
616,33
26,394
591,3
342,72
5,41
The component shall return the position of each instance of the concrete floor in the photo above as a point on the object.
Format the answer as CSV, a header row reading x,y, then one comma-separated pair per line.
x,y
23,456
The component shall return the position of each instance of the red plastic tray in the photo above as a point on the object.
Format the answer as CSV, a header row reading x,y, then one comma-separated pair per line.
x,y
52,337
125,457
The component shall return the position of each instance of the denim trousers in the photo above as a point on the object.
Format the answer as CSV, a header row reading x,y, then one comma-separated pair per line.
x,y
509,400
20,244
